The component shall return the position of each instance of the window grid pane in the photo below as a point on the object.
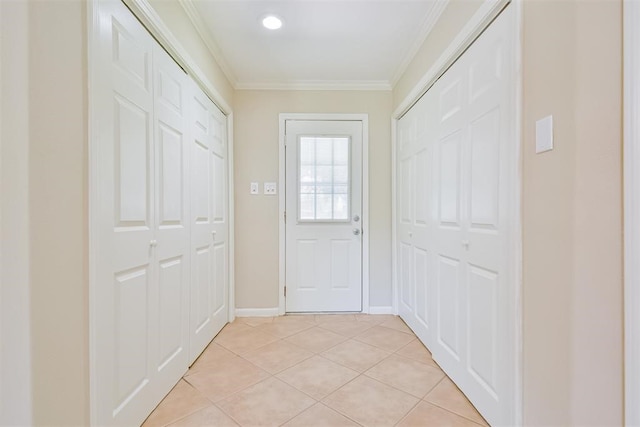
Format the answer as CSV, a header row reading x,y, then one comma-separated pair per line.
x,y
323,181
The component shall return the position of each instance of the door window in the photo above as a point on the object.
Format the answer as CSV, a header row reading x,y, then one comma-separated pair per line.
x,y
323,179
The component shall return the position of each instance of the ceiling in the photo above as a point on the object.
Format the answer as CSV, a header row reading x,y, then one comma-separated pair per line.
x,y
323,44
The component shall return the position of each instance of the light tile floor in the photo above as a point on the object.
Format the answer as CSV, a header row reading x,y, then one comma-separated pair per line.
x,y
316,370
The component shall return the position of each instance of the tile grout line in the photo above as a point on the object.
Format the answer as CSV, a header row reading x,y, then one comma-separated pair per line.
x,y
450,410
279,340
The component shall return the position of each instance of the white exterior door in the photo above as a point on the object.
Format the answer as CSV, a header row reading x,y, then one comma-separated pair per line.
x,y
323,216
457,162
209,222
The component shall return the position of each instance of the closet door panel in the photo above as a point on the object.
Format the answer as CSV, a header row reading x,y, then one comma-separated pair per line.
x,y
201,329
124,219
209,222
220,221
171,305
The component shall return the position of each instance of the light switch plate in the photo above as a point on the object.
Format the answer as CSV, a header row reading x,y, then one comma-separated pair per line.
x,y
270,188
255,189
544,134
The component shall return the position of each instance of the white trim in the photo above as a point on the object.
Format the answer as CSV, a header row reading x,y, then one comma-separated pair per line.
x,y
478,22
257,312
476,25
394,215
282,237
383,310
201,27
429,22
231,230
631,16
364,118
93,23
516,250
154,24
372,85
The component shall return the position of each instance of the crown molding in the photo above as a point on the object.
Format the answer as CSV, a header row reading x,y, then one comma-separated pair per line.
x,y
373,85
201,27
428,24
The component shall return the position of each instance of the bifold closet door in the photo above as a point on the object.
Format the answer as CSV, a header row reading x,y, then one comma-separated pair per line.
x,y
140,229
209,221
456,174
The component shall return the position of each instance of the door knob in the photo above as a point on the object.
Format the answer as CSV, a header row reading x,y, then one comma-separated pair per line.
x,y
356,218
356,231
153,243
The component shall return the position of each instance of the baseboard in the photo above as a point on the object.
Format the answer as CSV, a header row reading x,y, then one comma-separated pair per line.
x,y
257,312
381,310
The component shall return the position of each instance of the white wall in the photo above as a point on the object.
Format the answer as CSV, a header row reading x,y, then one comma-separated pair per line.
x,y
256,159
15,355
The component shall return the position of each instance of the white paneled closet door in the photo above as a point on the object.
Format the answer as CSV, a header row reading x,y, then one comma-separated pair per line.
x,y
159,226
172,236
457,162
209,222
416,221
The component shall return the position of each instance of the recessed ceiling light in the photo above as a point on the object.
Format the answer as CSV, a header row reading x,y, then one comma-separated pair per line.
x,y
272,22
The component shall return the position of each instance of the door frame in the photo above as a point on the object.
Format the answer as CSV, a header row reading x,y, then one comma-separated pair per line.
x,y
631,159
283,117
481,20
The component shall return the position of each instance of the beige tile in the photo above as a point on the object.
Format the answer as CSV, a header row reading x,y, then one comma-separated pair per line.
x,y
229,330
348,329
355,355
277,356
320,416
407,375
211,356
284,328
448,396
309,318
426,414
397,324
324,318
370,402
269,403
211,416
415,350
243,341
385,338
234,327
374,319
254,321
180,402
225,378
317,376
316,339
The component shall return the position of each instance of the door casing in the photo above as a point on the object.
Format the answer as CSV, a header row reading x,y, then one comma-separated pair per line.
x,y
631,159
364,118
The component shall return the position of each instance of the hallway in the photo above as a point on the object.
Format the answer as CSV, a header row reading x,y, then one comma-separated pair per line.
x,y
315,370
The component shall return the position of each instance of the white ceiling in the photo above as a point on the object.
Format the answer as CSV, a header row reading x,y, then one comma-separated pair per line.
x,y
323,44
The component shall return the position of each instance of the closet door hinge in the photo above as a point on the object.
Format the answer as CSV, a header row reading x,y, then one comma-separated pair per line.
x,y
285,217
285,291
